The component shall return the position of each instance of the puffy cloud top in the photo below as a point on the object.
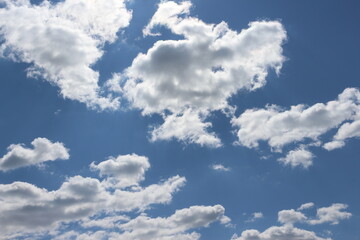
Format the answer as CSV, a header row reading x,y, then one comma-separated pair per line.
x,y
280,127
62,40
44,150
25,208
186,79
209,65
126,170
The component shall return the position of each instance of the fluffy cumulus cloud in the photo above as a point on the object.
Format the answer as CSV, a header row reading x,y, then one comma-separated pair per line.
x,y
185,80
280,127
299,157
174,227
288,218
125,170
27,208
188,127
279,233
346,131
98,207
332,214
43,150
61,41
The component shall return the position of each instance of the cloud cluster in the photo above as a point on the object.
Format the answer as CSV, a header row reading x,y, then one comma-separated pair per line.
x,y
97,206
288,218
332,214
174,227
186,79
44,150
279,233
280,127
62,41
27,208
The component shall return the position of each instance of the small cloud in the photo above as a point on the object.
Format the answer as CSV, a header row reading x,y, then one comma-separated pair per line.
x,y
43,151
332,214
299,157
306,206
220,167
255,216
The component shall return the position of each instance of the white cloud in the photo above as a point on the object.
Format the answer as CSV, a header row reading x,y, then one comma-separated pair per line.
x,y
107,222
289,217
334,145
113,84
279,233
188,128
62,41
306,206
220,167
279,127
173,227
255,216
346,131
197,74
27,208
332,214
44,150
299,157
123,171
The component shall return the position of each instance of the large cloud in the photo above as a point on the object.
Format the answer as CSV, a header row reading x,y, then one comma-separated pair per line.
x,y
182,220
27,208
62,41
280,127
200,72
174,227
44,150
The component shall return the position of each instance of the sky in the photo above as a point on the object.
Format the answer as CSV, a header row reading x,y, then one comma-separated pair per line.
x,y
179,120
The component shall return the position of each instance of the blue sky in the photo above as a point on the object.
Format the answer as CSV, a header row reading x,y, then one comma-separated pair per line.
x,y
178,120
